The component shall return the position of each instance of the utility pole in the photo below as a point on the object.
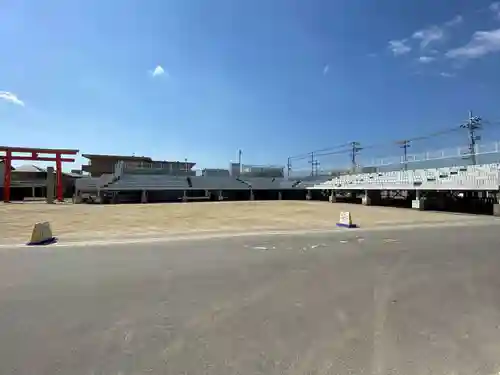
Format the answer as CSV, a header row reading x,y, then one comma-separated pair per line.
x,y
314,165
239,162
355,148
289,166
405,144
473,124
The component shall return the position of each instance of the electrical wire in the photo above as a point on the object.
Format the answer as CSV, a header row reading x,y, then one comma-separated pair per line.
x,y
308,154
347,148
487,122
414,139
333,153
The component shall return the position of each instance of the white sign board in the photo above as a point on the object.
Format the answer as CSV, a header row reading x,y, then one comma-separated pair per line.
x,y
345,218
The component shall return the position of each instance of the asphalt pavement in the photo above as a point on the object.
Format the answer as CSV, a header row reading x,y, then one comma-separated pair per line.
x,y
420,301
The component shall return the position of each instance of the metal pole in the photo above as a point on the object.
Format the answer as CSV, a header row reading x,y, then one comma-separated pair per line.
x,y
473,124
404,144
472,139
354,151
7,176
405,150
239,162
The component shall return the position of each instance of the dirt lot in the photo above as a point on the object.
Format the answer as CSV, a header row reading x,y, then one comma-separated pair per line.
x,y
75,222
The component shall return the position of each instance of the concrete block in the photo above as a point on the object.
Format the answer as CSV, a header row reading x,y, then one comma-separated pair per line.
x,y
50,184
418,204
366,200
42,234
345,220
496,209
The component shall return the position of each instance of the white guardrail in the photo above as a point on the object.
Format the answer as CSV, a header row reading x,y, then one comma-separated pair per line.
x,y
447,153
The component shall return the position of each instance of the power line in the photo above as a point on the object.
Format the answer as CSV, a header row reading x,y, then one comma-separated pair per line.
x,y
308,154
487,122
385,144
345,151
353,148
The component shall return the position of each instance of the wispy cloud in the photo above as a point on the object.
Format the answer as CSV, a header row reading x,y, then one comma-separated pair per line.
x,y
426,59
10,97
158,71
399,47
482,43
454,21
447,75
326,69
495,8
428,35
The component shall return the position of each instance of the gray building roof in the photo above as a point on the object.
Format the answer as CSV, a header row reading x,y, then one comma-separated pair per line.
x,y
29,168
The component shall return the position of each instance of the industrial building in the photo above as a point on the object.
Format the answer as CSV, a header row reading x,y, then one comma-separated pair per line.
x,y
102,164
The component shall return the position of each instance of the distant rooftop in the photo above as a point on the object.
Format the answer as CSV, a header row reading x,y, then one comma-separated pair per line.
x,y
146,159
118,157
29,168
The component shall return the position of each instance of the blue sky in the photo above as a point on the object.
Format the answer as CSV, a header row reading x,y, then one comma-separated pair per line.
x,y
272,77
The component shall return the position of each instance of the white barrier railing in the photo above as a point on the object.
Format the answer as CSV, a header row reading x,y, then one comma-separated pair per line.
x,y
448,153
458,152
472,177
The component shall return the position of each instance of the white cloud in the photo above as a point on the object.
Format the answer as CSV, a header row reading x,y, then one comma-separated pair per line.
x,y
399,47
326,69
495,8
447,75
158,71
454,21
429,35
481,43
10,97
426,59
426,37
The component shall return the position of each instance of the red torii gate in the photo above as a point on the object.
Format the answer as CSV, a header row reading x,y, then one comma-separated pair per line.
x,y
34,155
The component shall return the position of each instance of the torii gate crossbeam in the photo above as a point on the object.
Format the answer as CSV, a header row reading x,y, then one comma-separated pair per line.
x,y
55,155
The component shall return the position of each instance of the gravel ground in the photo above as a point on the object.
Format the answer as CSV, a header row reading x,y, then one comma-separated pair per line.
x,y
79,222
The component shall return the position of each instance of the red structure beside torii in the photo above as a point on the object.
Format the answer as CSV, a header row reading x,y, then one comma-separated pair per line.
x,y
34,154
